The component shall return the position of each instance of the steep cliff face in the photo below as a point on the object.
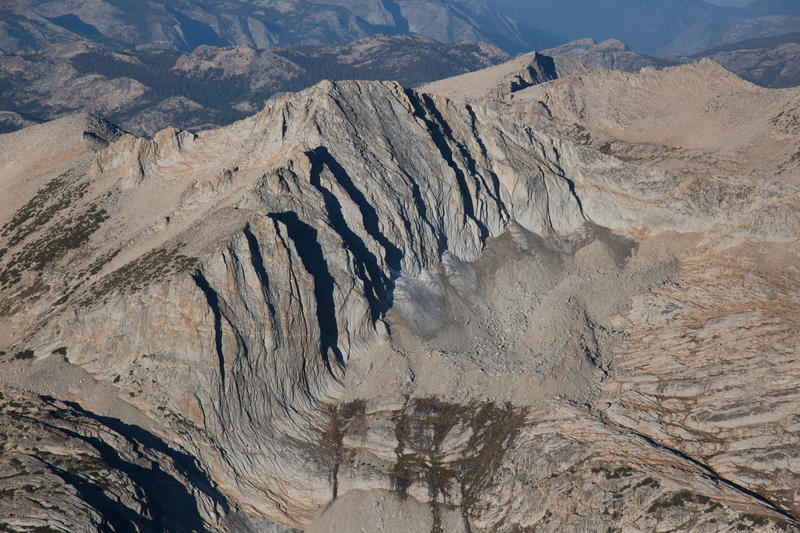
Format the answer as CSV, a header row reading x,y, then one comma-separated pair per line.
x,y
364,292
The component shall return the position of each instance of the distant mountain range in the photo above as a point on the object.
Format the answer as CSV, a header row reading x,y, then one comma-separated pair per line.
x,y
701,37
610,54
769,62
183,25
148,89
655,27
208,63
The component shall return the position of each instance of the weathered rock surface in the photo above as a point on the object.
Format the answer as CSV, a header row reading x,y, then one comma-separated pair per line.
x,y
370,307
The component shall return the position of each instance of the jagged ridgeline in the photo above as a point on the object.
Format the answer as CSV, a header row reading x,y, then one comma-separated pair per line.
x,y
361,303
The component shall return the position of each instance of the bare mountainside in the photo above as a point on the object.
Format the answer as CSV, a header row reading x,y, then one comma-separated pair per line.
x,y
770,62
146,90
367,307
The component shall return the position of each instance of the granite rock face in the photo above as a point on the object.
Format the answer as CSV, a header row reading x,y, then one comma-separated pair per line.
x,y
371,307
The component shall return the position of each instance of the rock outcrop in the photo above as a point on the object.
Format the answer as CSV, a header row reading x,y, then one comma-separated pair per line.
x,y
372,307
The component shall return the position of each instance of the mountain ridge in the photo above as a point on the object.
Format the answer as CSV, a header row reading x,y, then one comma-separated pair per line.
x,y
365,292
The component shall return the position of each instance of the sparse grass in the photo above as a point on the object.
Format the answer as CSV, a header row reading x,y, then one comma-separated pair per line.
x,y
647,482
341,418
617,473
677,499
52,203
100,262
420,428
53,244
347,417
408,468
439,476
38,211
24,354
754,519
151,267
418,454
70,236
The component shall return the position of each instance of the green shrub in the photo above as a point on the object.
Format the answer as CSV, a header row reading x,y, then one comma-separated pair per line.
x,y
24,354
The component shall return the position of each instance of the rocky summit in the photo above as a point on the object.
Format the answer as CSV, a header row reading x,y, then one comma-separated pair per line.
x,y
533,307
